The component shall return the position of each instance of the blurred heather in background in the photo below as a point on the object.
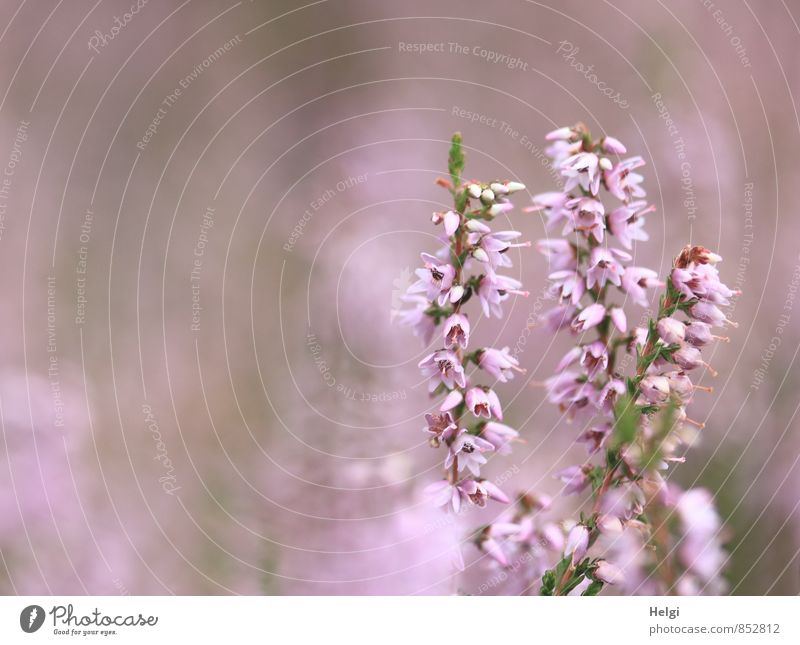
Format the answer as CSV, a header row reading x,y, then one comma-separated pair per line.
x,y
209,212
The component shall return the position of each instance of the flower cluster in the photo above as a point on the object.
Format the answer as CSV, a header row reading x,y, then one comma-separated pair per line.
x,y
649,536
468,423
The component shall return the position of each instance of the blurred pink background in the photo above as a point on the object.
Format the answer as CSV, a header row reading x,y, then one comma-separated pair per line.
x,y
208,211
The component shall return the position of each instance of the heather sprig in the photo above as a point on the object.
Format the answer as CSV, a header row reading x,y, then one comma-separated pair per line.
x,y
641,532
468,421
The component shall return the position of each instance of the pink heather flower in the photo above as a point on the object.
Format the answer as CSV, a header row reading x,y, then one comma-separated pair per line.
x,y
670,330
443,367
451,400
500,436
563,387
491,248
608,573
554,206
483,403
698,334
622,182
559,253
612,145
619,319
456,331
594,358
709,313
636,280
577,542
442,427
569,358
627,224
590,317
605,267
608,395
444,492
499,363
562,134
623,502
587,216
468,449
654,388
451,222
595,436
567,285
581,170
558,317
436,280
493,289
492,548
689,358
575,480
680,385
421,323
484,489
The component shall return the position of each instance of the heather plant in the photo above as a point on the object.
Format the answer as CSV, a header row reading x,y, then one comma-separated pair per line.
x,y
468,422
626,389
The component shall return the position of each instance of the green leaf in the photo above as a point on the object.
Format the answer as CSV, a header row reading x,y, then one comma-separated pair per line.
x,y
627,416
593,589
456,161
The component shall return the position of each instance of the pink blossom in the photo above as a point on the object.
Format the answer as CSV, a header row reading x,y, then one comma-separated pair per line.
x,y
567,285
608,573
559,253
445,367
612,145
594,358
636,280
456,331
627,224
554,206
451,400
619,319
622,182
574,478
604,267
421,323
499,363
588,217
670,330
436,280
493,289
483,403
590,317
582,170
442,427
654,388
469,450
451,222
500,436
577,542
709,313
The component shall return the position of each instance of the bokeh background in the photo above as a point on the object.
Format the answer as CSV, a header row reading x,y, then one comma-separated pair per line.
x,y
209,209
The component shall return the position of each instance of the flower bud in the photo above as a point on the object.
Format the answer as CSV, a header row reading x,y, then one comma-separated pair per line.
x,y
670,330
497,209
487,196
608,573
605,163
514,186
498,188
614,146
698,333
577,542
474,191
480,255
688,357
654,388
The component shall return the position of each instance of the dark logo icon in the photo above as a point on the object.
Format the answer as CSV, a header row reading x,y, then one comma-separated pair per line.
x,y
31,618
